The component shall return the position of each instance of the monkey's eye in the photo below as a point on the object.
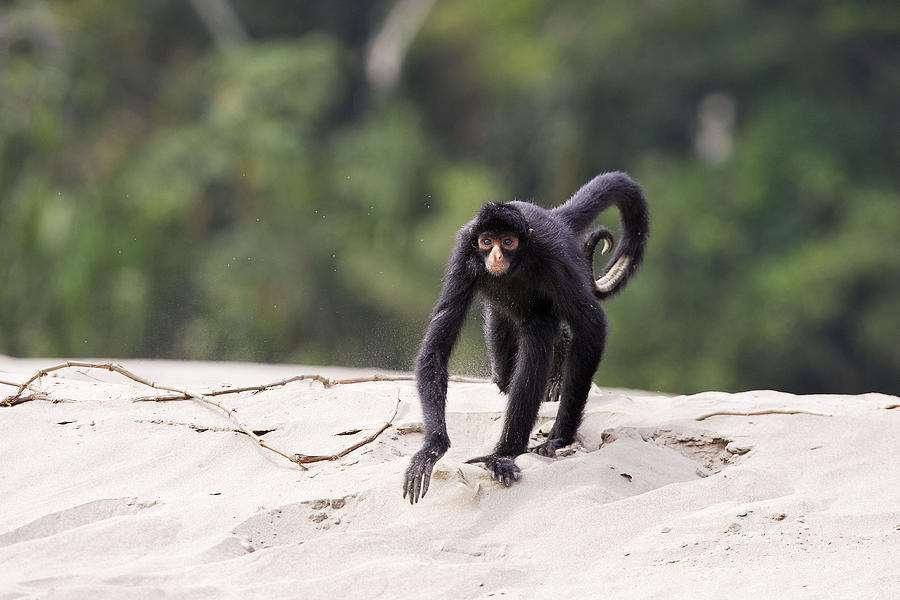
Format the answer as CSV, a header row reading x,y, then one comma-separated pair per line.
x,y
486,243
510,243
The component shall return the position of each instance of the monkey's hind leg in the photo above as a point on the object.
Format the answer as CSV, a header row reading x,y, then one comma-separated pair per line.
x,y
502,346
585,351
555,381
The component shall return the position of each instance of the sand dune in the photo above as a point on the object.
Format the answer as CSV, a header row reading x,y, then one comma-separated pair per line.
x,y
103,497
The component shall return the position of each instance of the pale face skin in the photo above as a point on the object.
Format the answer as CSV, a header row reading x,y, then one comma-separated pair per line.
x,y
495,245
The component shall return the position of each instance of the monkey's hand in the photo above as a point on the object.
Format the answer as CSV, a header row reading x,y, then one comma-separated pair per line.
x,y
418,474
501,468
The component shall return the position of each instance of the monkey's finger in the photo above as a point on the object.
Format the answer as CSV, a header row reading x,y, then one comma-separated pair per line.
x,y
426,480
412,487
417,489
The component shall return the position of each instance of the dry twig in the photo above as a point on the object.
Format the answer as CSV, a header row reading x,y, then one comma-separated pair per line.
x,y
12,401
359,444
753,413
207,398
37,395
12,383
325,381
232,413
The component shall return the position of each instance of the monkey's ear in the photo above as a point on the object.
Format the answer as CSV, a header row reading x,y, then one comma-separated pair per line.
x,y
530,231
470,234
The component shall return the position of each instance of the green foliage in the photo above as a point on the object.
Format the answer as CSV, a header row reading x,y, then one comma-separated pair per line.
x,y
162,195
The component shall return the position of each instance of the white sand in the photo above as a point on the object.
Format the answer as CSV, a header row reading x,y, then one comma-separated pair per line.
x,y
103,497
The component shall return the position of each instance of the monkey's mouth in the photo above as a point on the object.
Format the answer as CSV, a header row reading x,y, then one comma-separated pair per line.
x,y
497,271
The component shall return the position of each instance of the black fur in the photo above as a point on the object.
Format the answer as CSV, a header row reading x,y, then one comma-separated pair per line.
x,y
546,304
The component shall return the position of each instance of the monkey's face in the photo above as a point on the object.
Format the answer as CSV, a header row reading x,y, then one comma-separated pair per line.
x,y
498,251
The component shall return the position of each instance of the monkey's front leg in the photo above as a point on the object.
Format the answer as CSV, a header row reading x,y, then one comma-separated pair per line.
x,y
555,380
585,350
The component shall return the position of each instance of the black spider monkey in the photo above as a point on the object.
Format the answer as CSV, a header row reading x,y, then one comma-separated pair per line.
x,y
540,300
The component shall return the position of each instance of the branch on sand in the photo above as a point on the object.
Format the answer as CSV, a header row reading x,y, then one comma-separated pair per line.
x,y
208,398
325,381
369,438
753,413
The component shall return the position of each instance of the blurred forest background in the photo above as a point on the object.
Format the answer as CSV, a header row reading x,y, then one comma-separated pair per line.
x,y
281,180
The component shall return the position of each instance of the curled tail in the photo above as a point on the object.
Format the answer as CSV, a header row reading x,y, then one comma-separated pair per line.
x,y
593,198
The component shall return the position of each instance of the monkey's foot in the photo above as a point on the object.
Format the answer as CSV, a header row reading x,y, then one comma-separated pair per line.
x,y
550,447
501,468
